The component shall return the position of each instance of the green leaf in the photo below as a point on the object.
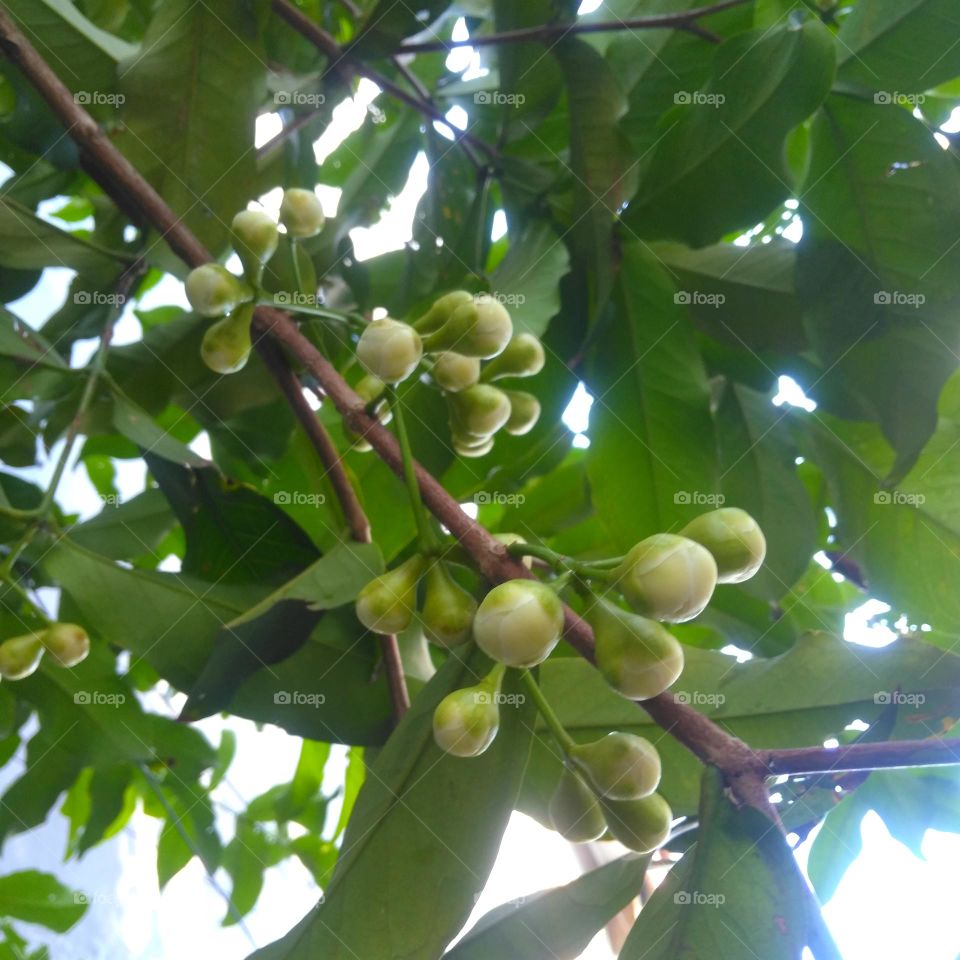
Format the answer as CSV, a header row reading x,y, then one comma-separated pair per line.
x,y
425,830
189,832
528,278
193,142
40,898
17,340
651,415
278,626
555,924
245,859
80,53
127,529
28,242
137,425
870,163
737,892
899,46
732,134
759,474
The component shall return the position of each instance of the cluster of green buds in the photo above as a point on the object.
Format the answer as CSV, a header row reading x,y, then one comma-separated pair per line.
x,y
65,643
214,292
472,343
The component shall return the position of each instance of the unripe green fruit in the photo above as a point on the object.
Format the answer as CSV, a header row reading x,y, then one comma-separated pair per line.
x,y
640,825
255,238
472,446
667,577
479,329
574,810
67,643
455,372
479,411
441,310
388,602
734,539
389,349
214,291
227,344
620,766
466,721
448,610
637,656
519,623
523,357
524,412
301,213
20,656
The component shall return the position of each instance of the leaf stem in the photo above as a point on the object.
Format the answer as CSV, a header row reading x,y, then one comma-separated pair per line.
x,y
546,711
425,535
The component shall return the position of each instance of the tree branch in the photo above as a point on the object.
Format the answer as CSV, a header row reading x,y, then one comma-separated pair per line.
x,y
339,59
353,511
547,32
897,754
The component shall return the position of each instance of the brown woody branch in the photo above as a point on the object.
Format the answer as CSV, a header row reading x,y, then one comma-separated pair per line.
x,y
551,32
745,769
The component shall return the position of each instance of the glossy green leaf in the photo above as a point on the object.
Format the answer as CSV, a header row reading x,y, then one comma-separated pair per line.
x,y
40,898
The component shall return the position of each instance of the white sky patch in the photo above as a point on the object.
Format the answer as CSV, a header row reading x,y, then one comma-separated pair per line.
x,y
790,392
499,226
395,227
348,117
577,414
860,628
268,126
732,650
588,6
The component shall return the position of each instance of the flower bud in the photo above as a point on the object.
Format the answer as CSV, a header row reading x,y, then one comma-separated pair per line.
x,y
479,329
667,577
214,291
448,609
523,357
640,825
466,721
472,446
508,539
388,602
301,213
479,411
519,623
638,657
734,539
620,766
524,412
455,372
255,238
67,643
440,312
20,656
574,810
390,349
226,345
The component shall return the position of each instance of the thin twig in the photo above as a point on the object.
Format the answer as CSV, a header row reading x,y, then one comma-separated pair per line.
x,y
339,60
891,755
548,32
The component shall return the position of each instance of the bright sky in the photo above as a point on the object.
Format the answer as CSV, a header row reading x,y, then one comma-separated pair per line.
x,y
885,899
